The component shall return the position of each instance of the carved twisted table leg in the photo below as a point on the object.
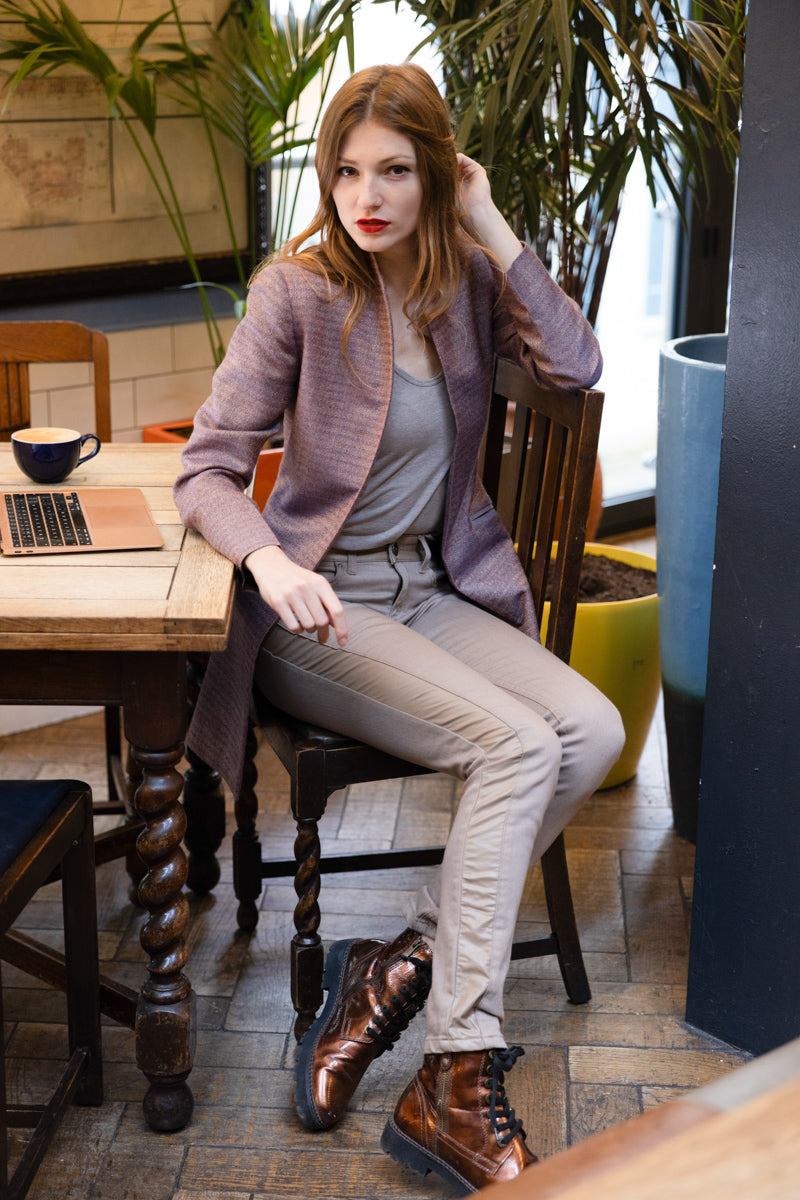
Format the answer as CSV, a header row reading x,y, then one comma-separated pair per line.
x,y
165,1031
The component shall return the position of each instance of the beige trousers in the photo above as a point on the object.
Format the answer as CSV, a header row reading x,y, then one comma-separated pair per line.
x,y
430,677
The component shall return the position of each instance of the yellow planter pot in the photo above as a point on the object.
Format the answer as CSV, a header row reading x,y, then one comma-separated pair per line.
x,y
615,647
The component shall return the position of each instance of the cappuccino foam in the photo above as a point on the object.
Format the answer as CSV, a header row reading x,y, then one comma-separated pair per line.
x,y
46,435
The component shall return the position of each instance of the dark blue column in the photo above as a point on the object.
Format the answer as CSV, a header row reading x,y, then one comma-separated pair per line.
x,y
744,971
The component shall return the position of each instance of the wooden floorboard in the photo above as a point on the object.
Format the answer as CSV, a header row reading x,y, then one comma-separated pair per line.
x,y
584,1068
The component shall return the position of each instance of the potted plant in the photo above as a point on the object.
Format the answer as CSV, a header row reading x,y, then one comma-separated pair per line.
x,y
558,99
615,643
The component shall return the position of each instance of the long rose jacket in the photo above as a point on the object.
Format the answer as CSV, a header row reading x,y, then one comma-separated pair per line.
x,y
285,363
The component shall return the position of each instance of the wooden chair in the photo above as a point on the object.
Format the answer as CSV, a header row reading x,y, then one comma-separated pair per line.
x,y
26,342
540,478
23,343
46,829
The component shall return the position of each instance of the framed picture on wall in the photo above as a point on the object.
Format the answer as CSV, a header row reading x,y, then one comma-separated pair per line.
x,y
79,212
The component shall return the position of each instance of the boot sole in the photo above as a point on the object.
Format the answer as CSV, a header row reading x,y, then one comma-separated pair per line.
x,y
408,1153
304,1067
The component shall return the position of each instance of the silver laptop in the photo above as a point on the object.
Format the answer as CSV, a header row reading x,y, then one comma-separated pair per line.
x,y
75,520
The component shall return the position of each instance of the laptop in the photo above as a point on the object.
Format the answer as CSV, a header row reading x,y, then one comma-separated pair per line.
x,y
75,520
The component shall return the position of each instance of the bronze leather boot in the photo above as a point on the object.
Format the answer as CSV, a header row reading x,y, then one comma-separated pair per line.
x,y
454,1118
374,990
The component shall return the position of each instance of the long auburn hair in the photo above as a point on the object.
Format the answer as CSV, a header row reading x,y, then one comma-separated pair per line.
x,y
403,98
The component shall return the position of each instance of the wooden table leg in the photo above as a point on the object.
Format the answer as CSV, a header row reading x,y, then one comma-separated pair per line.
x,y
165,1015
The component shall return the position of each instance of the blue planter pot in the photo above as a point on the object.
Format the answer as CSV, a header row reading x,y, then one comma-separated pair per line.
x,y
690,399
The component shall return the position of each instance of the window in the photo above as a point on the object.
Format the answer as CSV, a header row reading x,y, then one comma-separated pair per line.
x,y
635,318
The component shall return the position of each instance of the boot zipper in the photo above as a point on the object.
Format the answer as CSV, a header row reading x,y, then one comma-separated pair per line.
x,y
442,1089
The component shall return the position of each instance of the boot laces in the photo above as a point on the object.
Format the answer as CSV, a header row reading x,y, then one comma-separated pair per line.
x,y
403,1005
502,1117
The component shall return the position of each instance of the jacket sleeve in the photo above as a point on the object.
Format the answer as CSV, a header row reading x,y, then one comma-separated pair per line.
x,y
251,391
538,327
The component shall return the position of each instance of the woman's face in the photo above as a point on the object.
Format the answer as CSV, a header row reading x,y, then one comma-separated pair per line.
x,y
377,190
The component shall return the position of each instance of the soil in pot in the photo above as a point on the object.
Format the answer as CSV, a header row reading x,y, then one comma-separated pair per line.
x,y
606,579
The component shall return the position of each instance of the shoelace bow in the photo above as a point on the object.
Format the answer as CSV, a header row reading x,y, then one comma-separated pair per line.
x,y
402,1006
503,1119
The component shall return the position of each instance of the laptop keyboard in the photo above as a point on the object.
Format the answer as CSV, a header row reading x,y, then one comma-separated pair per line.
x,y
46,519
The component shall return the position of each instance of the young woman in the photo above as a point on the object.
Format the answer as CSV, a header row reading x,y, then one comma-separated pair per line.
x,y
382,596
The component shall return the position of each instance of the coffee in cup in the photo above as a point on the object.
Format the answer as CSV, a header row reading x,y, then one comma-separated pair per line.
x,y
50,455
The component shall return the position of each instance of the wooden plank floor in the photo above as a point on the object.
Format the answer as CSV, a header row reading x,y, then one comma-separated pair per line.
x,y
584,1067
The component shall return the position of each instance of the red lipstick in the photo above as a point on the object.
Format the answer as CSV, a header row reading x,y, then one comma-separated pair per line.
x,y
372,225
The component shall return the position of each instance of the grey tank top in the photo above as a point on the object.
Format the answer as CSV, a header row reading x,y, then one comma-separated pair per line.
x,y
405,490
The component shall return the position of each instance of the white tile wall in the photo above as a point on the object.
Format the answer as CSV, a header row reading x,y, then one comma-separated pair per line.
x,y
158,374
140,352
72,407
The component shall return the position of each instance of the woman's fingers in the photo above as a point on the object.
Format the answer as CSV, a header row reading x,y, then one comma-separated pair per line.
x,y
474,181
301,598
315,607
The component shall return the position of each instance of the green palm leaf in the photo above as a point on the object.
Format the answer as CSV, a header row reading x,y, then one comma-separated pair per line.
x,y
588,87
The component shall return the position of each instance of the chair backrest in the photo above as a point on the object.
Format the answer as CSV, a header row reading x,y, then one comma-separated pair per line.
x,y
538,468
26,342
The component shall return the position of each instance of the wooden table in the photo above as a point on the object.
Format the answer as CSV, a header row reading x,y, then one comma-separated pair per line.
x,y
749,1153
735,1138
114,629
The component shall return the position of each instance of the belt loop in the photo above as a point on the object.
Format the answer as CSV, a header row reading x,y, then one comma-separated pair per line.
x,y
351,563
393,550
426,556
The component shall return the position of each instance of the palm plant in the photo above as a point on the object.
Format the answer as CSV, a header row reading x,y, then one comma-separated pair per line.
x,y
51,37
260,67
245,84
558,99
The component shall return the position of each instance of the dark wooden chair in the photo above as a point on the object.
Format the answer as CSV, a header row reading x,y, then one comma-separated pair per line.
x,y
23,344
46,830
538,467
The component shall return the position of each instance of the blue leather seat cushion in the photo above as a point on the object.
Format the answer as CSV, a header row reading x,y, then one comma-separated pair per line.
x,y
25,805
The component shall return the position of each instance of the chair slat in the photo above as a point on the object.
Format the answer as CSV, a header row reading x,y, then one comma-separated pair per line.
x,y
15,411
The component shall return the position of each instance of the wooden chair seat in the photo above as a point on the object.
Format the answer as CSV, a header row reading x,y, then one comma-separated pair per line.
x,y
46,829
540,479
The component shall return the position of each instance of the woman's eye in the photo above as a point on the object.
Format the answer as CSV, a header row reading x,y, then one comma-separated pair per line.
x,y
398,169
346,172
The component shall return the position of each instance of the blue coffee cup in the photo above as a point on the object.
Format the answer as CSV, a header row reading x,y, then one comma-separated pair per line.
x,y
50,455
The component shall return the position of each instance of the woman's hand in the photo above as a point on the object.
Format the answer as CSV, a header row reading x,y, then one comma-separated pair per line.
x,y
475,188
301,598
486,219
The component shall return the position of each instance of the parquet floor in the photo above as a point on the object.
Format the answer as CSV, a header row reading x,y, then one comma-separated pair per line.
x,y
584,1067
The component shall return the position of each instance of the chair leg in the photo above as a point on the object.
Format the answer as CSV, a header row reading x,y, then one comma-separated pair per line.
x,y
246,846
113,735
81,960
308,956
562,922
3,1116
203,802
134,864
